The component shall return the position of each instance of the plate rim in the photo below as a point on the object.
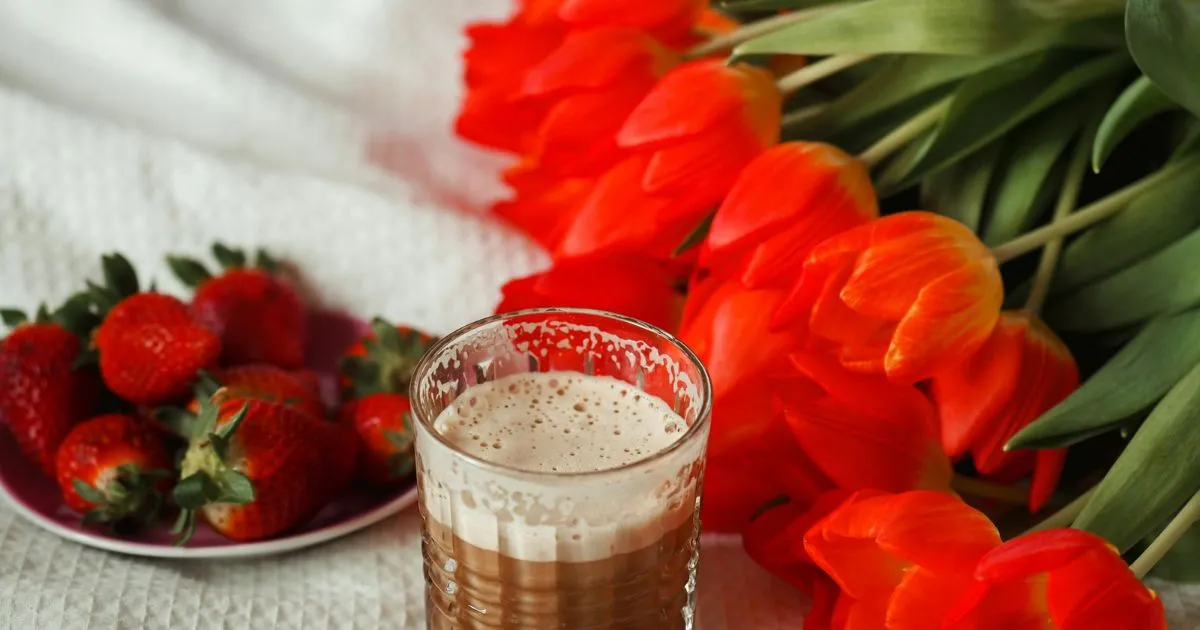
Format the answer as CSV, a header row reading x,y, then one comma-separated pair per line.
x,y
231,551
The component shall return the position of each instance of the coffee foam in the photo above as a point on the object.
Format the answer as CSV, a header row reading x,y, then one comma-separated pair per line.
x,y
559,422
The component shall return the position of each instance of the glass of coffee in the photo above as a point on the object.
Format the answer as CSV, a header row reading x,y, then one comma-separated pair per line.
x,y
560,457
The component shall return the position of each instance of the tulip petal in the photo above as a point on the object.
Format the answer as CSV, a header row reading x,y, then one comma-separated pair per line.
x,y
886,399
703,166
923,598
843,545
828,191
693,98
1036,553
543,211
599,57
618,214
968,396
670,19
575,137
951,319
939,532
1097,590
490,119
1046,473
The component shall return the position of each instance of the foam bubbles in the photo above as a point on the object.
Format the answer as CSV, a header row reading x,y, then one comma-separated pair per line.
x,y
559,422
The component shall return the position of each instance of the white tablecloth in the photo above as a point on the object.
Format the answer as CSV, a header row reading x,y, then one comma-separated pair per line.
x,y
152,126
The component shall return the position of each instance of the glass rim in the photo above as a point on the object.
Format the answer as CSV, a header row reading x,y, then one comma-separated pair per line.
x,y
425,365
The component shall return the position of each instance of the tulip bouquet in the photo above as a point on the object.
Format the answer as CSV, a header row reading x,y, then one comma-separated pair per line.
x,y
968,416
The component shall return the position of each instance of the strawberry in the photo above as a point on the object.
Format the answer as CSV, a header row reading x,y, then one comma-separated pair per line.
x,y
383,423
255,469
45,388
259,317
114,469
151,349
383,361
266,382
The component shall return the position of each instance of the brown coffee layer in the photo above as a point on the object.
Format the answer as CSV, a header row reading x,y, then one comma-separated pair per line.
x,y
469,588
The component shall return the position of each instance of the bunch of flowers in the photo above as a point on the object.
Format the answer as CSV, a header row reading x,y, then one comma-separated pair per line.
x,y
888,418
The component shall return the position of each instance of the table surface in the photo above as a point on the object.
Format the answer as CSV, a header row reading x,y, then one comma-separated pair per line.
x,y
321,131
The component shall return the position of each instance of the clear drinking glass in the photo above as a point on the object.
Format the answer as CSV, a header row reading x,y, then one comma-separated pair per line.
x,y
520,549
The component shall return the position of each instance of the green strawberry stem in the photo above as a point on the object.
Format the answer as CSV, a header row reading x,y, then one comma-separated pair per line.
x,y
1183,521
1092,214
905,133
1068,197
131,498
206,476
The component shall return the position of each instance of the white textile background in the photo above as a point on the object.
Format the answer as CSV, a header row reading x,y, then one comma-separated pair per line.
x,y
149,126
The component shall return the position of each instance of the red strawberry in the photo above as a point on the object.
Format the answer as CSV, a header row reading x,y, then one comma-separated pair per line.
x,y
256,469
259,317
262,381
383,361
383,423
150,348
114,469
43,393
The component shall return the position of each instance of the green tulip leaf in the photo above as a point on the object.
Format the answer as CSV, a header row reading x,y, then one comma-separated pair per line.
x,y
930,26
1029,181
1164,39
1156,474
1138,103
898,81
1150,223
1164,282
959,192
768,5
991,104
1136,377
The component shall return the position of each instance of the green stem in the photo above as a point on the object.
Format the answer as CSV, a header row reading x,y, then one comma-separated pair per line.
x,y
905,133
816,71
1065,516
1175,530
803,114
755,29
1092,214
1067,198
989,490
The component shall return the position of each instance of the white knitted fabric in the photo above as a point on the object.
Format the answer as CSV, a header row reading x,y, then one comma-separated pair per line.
x,y
153,126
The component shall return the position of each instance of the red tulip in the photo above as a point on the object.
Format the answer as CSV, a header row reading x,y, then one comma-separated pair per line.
x,y
592,81
493,112
1020,372
669,20
786,201
775,540
1061,579
627,285
543,207
686,141
863,431
906,296
901,561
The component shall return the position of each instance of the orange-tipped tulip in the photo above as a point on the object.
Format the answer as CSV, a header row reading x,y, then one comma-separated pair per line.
x,y
1060,579
1021,371
902,561
906,295
686,142
863,431
786,201
626,285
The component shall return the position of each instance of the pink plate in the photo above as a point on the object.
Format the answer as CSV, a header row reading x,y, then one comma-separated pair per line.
x,y
37,498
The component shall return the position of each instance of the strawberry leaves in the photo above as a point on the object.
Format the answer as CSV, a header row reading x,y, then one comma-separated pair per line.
x,y
390,357
214,481
193,273
131,498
